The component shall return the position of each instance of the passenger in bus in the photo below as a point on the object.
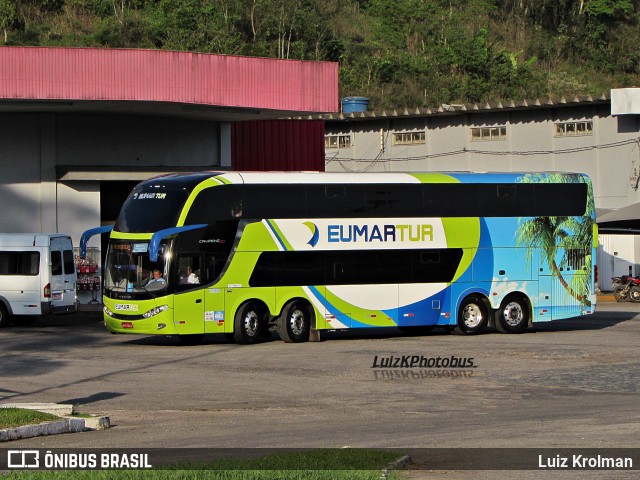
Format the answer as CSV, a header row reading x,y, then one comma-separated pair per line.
x,y
191,276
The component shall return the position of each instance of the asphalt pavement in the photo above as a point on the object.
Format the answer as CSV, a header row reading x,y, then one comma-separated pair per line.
x,y
567,384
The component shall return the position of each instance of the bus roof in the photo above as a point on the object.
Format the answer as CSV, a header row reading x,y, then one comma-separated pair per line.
x,y
191,179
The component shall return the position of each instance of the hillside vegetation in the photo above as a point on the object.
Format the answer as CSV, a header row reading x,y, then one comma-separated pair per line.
x,y
396,52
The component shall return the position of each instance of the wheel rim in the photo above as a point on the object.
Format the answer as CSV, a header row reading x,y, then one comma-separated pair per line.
x,y
513,314
472,315
250,323
296,322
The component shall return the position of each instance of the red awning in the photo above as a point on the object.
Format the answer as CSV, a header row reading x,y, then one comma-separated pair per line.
x,y
97,74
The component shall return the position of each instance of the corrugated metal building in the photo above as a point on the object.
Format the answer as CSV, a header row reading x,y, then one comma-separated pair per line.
x,y
80,126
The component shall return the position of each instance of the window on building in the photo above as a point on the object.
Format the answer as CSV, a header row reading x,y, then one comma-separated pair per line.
x,y
573,129
337,141
489,133
409,138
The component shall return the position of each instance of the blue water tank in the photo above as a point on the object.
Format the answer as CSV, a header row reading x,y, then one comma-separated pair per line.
x,y
355,104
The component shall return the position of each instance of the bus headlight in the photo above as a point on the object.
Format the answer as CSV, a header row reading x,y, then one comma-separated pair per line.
x,y
155,311
107,311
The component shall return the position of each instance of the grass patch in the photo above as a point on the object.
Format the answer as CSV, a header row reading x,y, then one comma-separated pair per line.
x,y
323,464
16,417
82,415
316,459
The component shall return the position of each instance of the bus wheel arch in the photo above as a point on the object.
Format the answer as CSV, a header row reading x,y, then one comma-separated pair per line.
x,y
296,321
473,314
514,313
250,322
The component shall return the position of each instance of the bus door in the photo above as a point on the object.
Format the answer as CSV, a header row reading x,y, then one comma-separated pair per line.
x,y
214,295
188,301
63,273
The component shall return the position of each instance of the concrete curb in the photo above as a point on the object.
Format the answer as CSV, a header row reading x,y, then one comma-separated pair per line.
x,y
397,465
56,427
59,409
65,425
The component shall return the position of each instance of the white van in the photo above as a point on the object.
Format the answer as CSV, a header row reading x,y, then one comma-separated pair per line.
x,y
37,275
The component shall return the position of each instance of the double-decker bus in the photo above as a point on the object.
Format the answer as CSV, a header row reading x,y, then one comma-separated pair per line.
x,y
247,254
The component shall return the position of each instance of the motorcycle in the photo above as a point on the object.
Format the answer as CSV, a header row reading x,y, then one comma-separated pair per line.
x,y
626,288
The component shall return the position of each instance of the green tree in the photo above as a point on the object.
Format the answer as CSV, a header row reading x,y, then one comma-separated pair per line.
x,y
7,16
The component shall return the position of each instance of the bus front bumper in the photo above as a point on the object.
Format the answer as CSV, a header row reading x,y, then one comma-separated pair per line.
x,y
158,325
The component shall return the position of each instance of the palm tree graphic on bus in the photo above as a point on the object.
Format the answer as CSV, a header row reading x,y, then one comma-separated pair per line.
x,y
561,235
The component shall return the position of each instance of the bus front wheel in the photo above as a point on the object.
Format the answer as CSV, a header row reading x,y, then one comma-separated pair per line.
x,y
249,324
473,316
512,316
294,324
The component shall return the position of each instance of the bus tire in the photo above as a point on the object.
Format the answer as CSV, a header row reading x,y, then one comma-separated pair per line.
x,y
294,323
513,315
4,316
473,316
248,324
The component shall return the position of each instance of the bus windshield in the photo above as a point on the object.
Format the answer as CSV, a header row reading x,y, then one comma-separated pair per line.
x,y
151,208
128,269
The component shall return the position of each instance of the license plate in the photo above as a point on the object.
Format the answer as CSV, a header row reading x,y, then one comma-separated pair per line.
x,y
127,325
57,296
131,307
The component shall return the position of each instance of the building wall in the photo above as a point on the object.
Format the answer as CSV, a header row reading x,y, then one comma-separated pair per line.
x,y
530,145
33,145
119,140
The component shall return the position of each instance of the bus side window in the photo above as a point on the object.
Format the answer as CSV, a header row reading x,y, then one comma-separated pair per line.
x,y
189,270
211,269
430,257
335,201
335,191
338,271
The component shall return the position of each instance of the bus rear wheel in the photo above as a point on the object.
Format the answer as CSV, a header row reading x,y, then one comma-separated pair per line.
x,y
512,316
294,324
249,325
473,316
